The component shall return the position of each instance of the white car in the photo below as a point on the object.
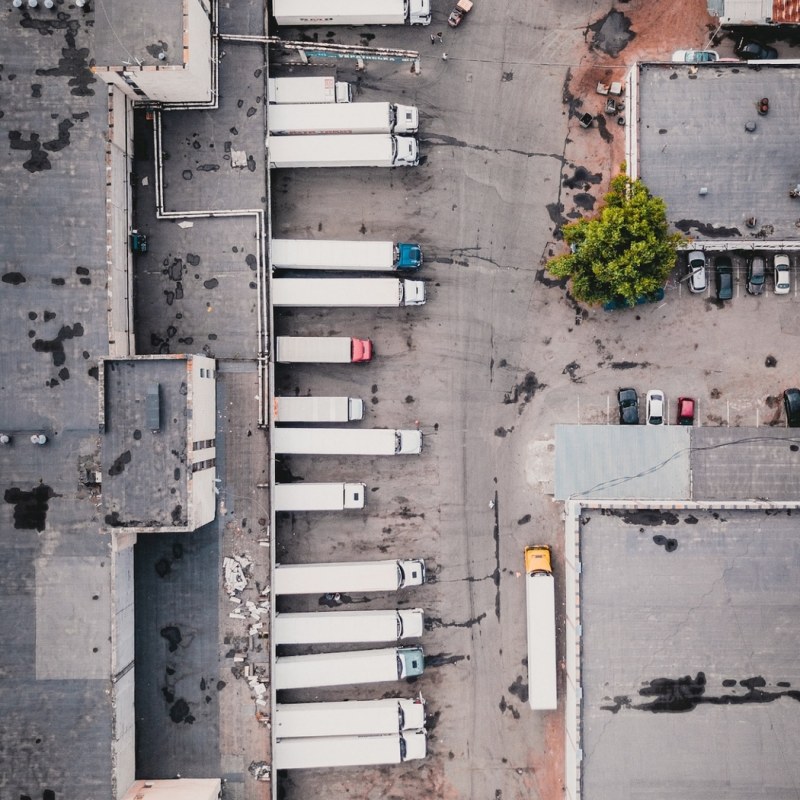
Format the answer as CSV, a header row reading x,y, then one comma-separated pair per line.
x,y
696,267
695,56
655,407
783,282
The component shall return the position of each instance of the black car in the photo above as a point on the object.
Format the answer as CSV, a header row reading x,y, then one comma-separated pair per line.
x,y
756,274
724,277
755,50
791,402
628,402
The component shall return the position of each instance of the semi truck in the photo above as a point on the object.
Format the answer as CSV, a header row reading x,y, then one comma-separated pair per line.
x,y
348,576
348,718
299,119
348,627
540,599
352,12
343,150
316,90
347,292
322,350
347,441
319,496
345,256
354,666
318,409
349,751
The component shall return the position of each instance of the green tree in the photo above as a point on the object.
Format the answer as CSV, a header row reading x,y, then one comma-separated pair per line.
x,y
625,252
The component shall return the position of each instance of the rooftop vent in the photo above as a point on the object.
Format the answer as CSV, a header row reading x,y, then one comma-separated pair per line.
x,y
153,407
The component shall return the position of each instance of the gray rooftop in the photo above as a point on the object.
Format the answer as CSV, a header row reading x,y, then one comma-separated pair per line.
x,y
677,463
196,289
55,607
746,464
690,671
618,461
145,481
692,136
123,37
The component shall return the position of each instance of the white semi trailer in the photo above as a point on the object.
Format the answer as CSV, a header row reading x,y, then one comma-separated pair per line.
x,y
343,150
303,496
348,718
315,89
348,627
347,441
540,599
318,409
322,350
299,119
348,576
349,751
352,12
347,292
344,669
345,256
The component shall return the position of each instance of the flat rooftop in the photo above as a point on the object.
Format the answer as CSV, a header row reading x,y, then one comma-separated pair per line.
x,y
55,565
126,38
677,463
144,469
693,136
690,635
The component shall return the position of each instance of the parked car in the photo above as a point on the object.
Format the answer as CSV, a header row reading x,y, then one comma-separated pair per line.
x,y
754,50
694,56
628,401
724,278
655,407
756,274
780,266
696,267
685,411
791,402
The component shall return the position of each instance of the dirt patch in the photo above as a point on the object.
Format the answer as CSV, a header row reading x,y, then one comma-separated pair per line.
x,y
548,766
614,41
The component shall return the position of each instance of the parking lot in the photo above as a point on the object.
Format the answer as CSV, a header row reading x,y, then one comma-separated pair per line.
x,y
498,355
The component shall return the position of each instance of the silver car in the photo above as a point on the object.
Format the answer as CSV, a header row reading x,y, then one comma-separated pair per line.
x,y
655,407
756,274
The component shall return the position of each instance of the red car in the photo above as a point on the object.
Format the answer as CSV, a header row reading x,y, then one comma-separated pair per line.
x,y
685,411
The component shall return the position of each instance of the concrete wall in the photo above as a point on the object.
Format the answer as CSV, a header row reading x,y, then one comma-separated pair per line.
x,y
181,789
186,83
122,660
202,427
119,151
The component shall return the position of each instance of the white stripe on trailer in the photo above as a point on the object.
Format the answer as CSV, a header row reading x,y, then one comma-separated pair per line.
x,y
540,598
342,627
349,751
347,576
349,718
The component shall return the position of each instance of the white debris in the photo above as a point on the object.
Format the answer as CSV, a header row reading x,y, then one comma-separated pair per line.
x,y
238,158
186,223
234,569
260,770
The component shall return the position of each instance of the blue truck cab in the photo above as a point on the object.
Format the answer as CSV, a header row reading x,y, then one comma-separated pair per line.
x,y
407,256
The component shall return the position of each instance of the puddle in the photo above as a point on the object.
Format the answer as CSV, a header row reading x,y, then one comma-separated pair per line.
x,y
612,33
